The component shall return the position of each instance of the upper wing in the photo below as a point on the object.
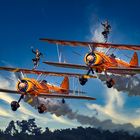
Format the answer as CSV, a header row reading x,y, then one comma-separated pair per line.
x,y
53,95
126,71
28,71
92,44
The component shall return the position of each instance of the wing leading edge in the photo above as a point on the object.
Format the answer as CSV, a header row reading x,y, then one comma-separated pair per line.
x,y
92,44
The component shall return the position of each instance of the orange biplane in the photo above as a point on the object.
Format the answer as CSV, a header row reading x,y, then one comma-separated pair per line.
x,y
40,88
99,62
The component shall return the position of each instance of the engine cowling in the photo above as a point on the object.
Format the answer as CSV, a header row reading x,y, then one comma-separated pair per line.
x,y
93,59
90,58
24,86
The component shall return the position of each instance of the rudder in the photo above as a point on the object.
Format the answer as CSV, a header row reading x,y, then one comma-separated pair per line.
x,y
65,83
134,60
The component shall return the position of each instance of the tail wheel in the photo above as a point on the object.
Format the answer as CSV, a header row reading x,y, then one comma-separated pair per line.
x,y
110,83
42,108
14,105
83,80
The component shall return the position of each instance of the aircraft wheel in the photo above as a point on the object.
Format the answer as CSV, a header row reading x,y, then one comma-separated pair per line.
x,y
110,83
14,105
63,101
82,80
42,108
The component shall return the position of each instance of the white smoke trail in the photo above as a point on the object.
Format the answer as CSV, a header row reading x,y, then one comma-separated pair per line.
x,y
96,34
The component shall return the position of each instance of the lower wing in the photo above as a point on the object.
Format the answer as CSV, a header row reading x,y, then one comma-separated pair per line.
x,y
67,65
72,66
126,71
53,95
66,96
116,70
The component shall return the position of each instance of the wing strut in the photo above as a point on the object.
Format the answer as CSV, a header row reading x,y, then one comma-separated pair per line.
x,y
59,53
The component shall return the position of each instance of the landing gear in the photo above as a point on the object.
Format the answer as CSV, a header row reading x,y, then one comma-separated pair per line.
x,y
15,105
83,80
63,101
90,70
42,108
110,83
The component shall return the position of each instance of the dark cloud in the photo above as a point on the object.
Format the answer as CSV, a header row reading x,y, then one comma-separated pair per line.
x,y
127,84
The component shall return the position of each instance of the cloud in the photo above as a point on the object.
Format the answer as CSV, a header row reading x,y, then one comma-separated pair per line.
x,y
96,34
62,120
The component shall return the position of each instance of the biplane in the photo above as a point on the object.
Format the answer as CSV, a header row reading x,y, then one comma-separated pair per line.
x,y
96,61
41,88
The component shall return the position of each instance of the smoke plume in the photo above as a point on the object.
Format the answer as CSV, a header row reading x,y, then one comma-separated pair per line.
x,y
59,109
127,84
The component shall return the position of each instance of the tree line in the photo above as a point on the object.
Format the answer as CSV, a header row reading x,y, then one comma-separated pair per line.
x,y
28,130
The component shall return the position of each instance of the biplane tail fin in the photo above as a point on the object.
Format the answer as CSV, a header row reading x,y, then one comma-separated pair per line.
x,y
134,60
65,83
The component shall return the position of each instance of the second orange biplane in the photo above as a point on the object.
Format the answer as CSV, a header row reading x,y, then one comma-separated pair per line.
x,y
41,88
100,61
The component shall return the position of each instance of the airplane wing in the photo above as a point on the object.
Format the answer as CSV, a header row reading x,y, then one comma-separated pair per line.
x,y
66,96
76,91
126,71
92,44
72,66
53,95
67,65
50,73
9,91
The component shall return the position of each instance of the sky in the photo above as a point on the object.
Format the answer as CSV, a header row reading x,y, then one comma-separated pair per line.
x,y
24,22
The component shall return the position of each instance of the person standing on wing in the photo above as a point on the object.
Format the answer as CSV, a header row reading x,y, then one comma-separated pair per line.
x,y
37,58
107,29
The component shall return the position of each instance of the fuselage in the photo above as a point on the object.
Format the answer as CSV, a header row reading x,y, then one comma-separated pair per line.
x,y
34,87
101,62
